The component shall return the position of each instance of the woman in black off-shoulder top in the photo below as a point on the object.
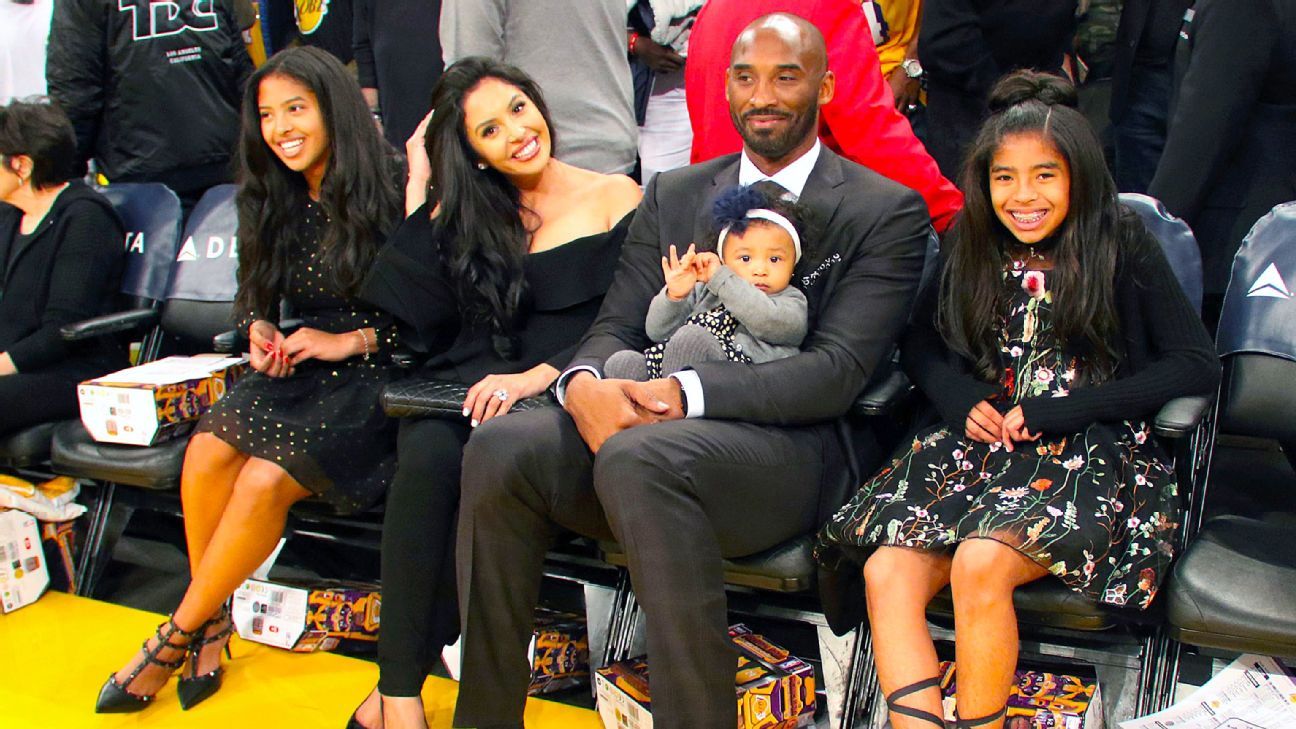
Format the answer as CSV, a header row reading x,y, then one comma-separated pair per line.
x,y
495,279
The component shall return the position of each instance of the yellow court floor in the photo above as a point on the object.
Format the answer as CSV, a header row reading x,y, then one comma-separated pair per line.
x,y
56,653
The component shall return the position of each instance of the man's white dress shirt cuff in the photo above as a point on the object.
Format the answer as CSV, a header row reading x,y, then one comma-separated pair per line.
x,y
560,385
691,384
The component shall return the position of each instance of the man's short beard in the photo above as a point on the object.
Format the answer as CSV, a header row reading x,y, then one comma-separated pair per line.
x,y
777,146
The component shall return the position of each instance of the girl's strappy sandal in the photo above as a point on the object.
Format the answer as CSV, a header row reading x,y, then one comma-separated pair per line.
x,y
114,698
194,688
893,699
972,723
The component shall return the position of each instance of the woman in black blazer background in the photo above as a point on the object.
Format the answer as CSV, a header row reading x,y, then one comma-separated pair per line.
x,y
61,258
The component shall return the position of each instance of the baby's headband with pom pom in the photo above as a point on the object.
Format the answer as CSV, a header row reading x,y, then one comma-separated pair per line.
x,y
738,205
769,216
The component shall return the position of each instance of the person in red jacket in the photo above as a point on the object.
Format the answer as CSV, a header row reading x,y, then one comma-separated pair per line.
x,y
860,123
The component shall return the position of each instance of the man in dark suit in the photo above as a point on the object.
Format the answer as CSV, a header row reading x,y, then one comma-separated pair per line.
x,y
1142,74
1231,144
720,461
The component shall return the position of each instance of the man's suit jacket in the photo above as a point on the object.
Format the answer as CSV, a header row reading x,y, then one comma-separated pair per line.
x,y
861,122
1230,152
859,272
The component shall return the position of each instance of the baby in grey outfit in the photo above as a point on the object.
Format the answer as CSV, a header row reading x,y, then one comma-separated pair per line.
x,y
736,304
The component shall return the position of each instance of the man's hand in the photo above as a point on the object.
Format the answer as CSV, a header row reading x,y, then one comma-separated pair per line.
x,y
603,408
649,396
656,56
904,89
679,272
370,95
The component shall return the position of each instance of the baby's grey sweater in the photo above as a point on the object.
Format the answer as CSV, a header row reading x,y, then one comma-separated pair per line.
x,y
770,326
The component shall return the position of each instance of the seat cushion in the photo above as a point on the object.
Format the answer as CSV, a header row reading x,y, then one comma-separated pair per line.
x,y
787,567
1235,588
74,453
27,446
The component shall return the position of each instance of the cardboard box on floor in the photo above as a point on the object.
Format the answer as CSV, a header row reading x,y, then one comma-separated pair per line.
x,y
153,402
53,504
559,653
23,572
308,616
1039,700
775,690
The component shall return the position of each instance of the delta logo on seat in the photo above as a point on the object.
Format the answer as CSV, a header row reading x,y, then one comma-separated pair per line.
x,y
216,248
1270,284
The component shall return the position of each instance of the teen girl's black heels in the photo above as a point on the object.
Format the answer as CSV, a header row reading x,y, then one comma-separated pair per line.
x,y
193,688
115,698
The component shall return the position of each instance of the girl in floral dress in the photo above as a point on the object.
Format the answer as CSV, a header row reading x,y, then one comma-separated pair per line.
x,y
1054,333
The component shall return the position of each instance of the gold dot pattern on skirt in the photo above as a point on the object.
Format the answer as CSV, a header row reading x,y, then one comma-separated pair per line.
x,y
324,423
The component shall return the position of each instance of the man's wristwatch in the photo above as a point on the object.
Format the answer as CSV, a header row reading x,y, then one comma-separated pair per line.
x,y
912,68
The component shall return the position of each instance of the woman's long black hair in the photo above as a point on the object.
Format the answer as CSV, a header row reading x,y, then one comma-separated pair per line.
x,y
481,210
1083,250
358,195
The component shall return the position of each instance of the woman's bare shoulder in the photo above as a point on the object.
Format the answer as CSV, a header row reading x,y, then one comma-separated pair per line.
x,y
620,195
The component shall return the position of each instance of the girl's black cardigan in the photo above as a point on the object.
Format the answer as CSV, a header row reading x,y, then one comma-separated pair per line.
x,y
1166,352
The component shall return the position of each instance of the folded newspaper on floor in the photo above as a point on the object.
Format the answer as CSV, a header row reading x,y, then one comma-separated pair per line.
x,y
1253,692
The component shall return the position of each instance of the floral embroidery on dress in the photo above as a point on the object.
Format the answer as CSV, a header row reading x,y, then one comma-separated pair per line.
x,y
1098,508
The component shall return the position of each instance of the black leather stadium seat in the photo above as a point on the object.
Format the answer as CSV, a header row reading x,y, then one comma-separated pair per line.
x,y
1235,587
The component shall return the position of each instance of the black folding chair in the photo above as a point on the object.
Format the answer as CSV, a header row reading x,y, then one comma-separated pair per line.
x,y
1234,590
197,306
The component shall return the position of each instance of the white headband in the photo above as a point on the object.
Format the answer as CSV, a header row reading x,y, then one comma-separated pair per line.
x,y
770,216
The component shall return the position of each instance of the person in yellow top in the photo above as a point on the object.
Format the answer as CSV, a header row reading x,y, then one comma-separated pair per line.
x,y
899,52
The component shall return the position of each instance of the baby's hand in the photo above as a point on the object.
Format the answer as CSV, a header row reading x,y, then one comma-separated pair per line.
x,y
680,274
706,264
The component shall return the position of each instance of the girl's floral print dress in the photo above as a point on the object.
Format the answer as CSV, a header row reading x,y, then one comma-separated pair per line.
x,y
1097,508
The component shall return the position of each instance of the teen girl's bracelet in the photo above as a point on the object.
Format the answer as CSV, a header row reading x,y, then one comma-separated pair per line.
x,y
364,343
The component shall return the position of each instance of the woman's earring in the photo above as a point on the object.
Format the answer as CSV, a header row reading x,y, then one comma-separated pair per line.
x,y
481,165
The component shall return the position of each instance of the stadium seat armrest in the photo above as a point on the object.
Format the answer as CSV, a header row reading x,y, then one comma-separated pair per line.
x,y
1181,416
882,397
121,321
228,342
